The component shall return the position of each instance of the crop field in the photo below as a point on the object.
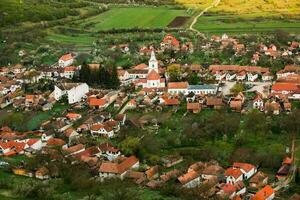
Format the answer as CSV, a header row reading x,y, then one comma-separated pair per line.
x,y
133,17
280,7
233,24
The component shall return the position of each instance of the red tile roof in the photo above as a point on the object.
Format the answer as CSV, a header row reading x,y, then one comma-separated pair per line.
x,y
171,102
55,142
97,102
238,68
264,193
73,115
191,175
66,57
120,168
245,166
236,173
97,127
32,141
170,39
193,106
153,75
285,87
178,85
70,69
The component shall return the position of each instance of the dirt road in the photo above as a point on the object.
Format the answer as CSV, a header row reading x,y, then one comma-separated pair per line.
x,y
214,4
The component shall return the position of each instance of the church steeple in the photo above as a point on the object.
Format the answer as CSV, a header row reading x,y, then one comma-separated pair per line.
x,y
153,63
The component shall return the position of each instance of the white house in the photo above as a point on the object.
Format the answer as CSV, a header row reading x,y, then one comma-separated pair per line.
x,y
118,170
109,151
69,72
178,88
190,180
241,76
66,60
219,75
101,129
267,76
233,175
258,102
34,143
75,91
230,76
252,76
247,169
202,89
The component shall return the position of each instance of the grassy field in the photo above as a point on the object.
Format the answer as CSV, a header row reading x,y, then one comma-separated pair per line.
x,y
233,24
35,122
80,39
134,17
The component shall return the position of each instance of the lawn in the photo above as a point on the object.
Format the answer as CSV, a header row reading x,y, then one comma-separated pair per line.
x,y
35,122
140,17
80,39
233,24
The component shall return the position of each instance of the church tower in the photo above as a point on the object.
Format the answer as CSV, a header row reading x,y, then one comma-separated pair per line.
x,y
153,63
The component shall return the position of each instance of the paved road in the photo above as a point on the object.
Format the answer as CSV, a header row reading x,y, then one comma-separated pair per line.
x,y
215,3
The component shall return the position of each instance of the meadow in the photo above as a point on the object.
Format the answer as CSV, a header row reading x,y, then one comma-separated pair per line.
x,y
132,17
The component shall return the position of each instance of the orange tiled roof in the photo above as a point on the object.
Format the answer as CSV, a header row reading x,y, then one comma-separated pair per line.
x,y
97,102
238,68
285,86
245,166
32,141
178,85
55,142
70,69
120,168
264,193
73,115
236,173
171,39
97,127
193,106
153,75
66,57
188,177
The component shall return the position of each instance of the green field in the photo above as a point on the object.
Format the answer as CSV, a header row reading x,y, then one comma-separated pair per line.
x,y
80,39
133,17
234,24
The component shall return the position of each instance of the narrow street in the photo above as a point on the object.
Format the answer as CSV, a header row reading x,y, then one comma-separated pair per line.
x,y
214,4
282,184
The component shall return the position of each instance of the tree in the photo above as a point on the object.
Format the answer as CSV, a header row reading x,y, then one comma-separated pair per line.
x,y
174,73
114,81
237,88
130,145
193,79
255,122
85,73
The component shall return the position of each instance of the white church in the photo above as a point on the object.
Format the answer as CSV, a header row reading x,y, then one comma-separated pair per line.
x,y
153,79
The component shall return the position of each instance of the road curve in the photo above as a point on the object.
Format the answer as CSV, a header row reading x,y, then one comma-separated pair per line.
x,y
214,4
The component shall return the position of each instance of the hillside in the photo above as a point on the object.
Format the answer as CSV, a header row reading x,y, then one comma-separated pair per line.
x,y
282,7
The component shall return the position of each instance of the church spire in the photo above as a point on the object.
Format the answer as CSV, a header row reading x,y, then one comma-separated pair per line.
x,y
153,58
153,63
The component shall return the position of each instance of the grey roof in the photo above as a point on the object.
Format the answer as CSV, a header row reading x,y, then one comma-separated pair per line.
x,y
202,87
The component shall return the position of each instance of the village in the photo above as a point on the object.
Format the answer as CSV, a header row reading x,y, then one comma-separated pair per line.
x,y
89,125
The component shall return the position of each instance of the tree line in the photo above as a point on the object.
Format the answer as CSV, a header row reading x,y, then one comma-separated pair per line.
x,y
104,77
